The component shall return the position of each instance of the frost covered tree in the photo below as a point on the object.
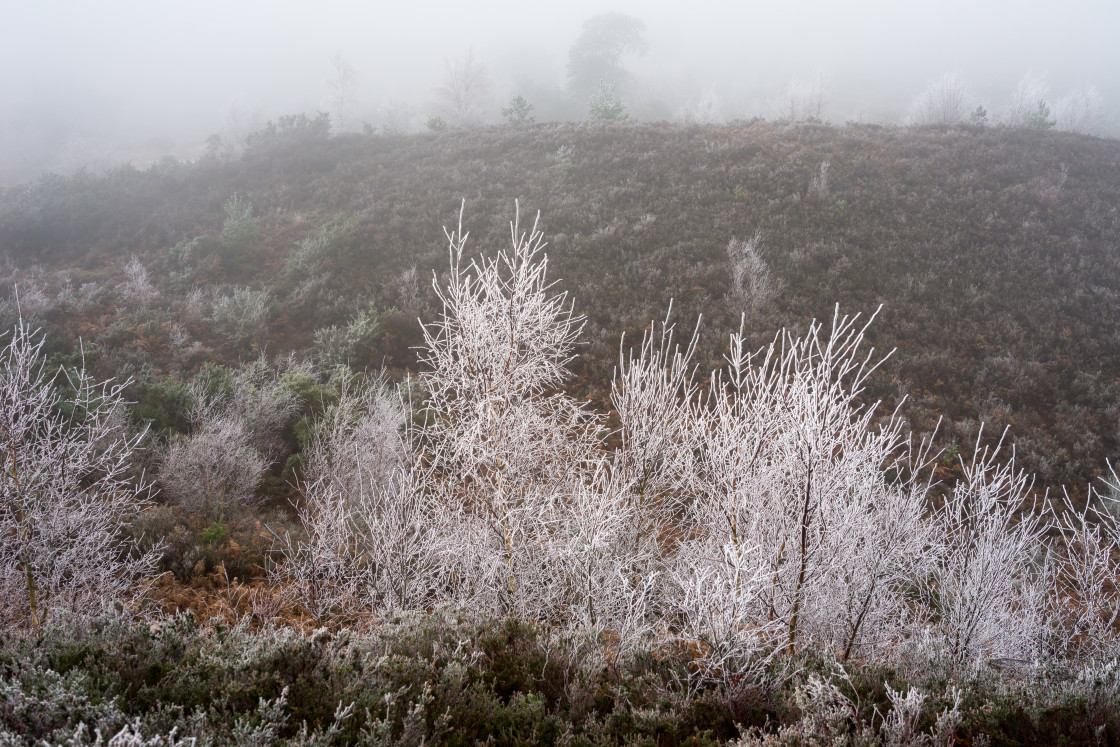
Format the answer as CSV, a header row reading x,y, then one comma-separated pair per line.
x,y
542,526
987,591
802,531
519,112
705,109
1080,110
137,289
68,490
1029,106
802,100
497,498
213,470
753,286
234,438
1085,602
368,520
764,511
511,449
240,226
944,100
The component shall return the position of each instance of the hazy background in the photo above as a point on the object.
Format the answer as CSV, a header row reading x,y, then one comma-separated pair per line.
x,y
97,83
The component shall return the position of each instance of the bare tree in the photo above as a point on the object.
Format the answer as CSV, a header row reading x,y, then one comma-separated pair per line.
x,y
67,492
212,470
464,96
397,117
796,489
818,185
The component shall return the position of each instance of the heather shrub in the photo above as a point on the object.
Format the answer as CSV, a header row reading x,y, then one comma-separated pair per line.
x,y
239,229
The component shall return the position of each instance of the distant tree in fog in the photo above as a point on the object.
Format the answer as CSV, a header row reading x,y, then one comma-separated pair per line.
x,y
397,117
340,89
1027,100
465,93
1079,110
596,56
706,109
945,100
802,100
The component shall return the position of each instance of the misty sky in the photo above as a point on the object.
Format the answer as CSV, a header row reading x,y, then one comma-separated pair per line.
x,y
113,74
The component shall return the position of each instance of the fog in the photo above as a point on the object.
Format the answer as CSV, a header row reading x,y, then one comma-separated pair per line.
x,y
95,84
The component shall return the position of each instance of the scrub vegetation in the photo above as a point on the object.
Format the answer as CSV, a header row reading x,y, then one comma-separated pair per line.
x,y
756,433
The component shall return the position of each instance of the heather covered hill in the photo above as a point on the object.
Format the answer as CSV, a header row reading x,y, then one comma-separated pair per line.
x,y
295,515
992,251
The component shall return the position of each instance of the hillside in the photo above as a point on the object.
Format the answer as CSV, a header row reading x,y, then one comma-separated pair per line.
x,y
249,534
993,253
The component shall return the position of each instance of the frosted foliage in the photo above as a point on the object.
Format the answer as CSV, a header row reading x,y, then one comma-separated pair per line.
x,y
799,532
369,548
652,393
504,502
137,288
501,338
67,491
212,470
369,526
753,286
706,109
818,185
764,510
257,398
242,315
543,517
989,601
362,435
1086,592
1031,89
801,100
1080,110
235,437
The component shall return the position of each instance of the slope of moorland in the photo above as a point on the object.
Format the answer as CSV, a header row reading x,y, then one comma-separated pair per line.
x,y
993,253
237,296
